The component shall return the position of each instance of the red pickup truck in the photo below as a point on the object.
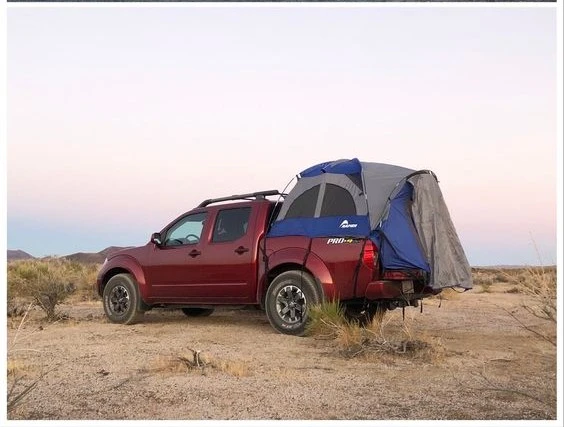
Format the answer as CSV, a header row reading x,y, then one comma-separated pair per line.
x,y
219,254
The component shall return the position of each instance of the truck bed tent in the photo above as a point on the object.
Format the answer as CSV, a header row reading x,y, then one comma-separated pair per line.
x,y
401,210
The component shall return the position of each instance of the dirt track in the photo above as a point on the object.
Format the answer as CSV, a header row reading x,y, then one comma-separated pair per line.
x,y
489,367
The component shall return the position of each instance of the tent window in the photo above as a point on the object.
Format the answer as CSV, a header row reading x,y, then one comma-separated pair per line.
x,y
304,205
337,202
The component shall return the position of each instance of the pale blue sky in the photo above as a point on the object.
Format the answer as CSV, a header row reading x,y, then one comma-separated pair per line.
x,y
120,119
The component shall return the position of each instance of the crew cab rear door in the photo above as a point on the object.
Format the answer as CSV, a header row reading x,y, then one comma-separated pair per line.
x,y
227,265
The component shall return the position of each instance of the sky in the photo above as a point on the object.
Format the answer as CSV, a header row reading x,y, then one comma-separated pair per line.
x,y
120,119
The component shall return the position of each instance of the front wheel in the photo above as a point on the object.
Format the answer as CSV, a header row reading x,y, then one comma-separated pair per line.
x,y
288,299
122,300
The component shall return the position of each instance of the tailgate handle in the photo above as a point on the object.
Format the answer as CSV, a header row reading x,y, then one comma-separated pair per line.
x,y
241,250
194,253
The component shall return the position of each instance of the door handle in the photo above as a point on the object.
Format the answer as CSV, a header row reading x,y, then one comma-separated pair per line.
x,y
194,253
241,250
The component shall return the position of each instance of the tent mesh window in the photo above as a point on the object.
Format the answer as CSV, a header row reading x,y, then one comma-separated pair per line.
x,y
337,202
304,205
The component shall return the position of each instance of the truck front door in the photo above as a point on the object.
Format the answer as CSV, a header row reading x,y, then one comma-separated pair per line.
x,y
174,267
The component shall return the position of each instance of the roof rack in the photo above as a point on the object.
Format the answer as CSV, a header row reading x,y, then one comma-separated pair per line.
x,y
249,196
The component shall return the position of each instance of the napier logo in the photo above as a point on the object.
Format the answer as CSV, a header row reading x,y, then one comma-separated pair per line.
x,y
345,224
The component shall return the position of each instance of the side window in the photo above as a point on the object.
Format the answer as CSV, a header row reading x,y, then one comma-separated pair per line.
x,y
231,224
337,202
186,231
304,205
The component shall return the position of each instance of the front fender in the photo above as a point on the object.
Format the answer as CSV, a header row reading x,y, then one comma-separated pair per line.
x,y
123,264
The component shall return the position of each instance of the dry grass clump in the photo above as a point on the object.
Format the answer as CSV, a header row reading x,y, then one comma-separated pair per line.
x,y
538,284
538,287
17,367
21,377
484,278
236,368
47,283
196,361
531,281
327,321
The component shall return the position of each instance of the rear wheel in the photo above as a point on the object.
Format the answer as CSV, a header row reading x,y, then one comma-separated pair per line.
x,y
122,301
288,299
197,311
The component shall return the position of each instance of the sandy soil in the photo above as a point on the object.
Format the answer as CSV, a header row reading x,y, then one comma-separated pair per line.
x,y
487,366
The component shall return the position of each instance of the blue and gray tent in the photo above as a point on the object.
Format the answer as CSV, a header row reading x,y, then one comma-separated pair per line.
x,y
401,210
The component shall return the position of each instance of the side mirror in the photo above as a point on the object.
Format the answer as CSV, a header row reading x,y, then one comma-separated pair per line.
x,y
156,238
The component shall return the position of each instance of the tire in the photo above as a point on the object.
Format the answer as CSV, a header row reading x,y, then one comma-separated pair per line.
x,y
287,300
197,311
122,301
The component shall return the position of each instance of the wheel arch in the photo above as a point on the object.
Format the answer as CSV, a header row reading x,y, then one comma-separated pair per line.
x,y
109,274
314,266
125,265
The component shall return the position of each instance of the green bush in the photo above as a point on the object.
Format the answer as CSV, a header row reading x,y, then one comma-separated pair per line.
x,y
47,283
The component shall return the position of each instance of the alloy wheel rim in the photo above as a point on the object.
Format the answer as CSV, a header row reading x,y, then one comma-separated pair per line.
x,y
119,300
291,304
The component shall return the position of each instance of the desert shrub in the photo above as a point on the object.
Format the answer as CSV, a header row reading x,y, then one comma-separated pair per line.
x,y
85,280
501,277
485,284
45,282
352,339
481,276
538,284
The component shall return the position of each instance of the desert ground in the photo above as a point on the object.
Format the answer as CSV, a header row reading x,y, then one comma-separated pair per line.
x,y
486,358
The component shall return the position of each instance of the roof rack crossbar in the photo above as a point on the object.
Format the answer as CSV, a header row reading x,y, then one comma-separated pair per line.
x,y
249,196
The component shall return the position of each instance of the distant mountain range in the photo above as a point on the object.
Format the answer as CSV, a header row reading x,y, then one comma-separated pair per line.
x,y
14,255
85,257
99,257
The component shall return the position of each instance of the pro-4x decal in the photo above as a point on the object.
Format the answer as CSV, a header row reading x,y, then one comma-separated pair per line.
x,y
339,240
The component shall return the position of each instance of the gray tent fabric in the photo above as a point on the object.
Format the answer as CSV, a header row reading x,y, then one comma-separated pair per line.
x,y
380,180
341,180
374,187
437,235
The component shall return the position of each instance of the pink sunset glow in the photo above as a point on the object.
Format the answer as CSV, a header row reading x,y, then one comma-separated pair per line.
x,y
126,127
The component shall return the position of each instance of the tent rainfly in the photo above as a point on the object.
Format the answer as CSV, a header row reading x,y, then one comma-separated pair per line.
x,y
401,210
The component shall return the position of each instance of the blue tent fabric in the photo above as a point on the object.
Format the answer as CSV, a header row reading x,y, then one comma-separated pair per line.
x,y
397,236
345,167
330,226
402,210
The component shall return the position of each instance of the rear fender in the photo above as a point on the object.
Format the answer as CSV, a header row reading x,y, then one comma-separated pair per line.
x,y
292,259
124,264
